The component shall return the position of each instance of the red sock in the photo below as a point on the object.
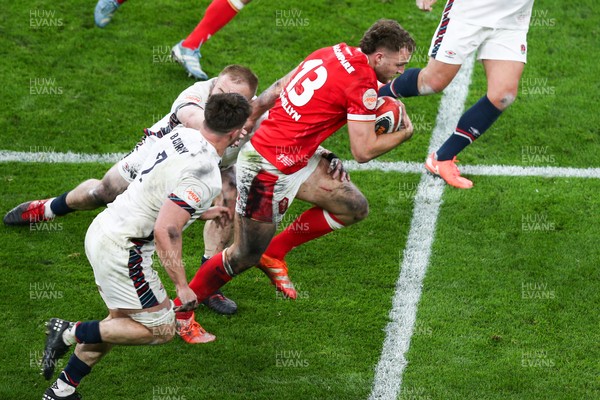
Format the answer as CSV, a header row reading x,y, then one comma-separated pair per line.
x,y
217,15
313,223
210,277
120,1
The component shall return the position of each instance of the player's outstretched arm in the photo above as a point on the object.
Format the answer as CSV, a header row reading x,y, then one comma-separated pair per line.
x,y
168,230
366,145
267,99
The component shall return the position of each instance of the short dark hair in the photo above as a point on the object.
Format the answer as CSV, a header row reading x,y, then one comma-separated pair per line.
x,y
388,34
225,112
241,74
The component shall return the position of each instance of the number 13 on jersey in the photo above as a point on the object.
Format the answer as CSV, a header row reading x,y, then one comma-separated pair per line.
x,y
309,86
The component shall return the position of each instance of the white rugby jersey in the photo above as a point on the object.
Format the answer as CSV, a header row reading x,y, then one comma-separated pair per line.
x,y
506,14
183,167
198,94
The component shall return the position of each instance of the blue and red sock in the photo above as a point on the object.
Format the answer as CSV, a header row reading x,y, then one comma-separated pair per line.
x,y
473,123
74,372
405,85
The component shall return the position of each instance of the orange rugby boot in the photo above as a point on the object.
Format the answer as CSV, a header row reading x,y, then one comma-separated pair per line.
x,y
448,171
277,271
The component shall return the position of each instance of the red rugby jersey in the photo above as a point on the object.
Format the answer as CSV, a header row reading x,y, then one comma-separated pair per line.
x,y
331,86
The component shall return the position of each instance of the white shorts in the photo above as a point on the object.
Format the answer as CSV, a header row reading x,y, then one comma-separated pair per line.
x,y
454,41
125,277
129,166
264,192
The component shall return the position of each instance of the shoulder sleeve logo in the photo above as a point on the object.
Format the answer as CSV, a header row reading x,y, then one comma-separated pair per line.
x,y
192,196
370,99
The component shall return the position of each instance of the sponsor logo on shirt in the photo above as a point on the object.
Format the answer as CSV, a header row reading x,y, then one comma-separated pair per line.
x,y
285,160
342,59
194,99
192,196
370,99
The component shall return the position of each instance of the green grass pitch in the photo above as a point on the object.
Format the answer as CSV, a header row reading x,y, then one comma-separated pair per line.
x,y
509,306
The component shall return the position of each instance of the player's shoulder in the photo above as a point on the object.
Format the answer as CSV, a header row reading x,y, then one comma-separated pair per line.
x,y
197,93
349,59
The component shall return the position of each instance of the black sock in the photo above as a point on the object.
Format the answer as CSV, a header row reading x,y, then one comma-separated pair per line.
x,y
59,205
473,123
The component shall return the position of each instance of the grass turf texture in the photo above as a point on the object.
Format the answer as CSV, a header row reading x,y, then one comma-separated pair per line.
x,y
475,331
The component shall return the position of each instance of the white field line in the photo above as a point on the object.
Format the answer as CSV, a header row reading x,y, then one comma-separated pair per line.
x,y
53,157
389,370
392,166
491,170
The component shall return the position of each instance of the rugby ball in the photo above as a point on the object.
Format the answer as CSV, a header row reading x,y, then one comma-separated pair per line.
x,y
389,115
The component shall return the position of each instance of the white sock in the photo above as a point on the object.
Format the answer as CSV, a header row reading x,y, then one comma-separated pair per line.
x,y
237,4
47,210
62,389
68,335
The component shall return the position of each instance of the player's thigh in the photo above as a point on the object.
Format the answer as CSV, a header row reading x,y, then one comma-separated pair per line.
x,y
111,185
452,44
504,54
333,195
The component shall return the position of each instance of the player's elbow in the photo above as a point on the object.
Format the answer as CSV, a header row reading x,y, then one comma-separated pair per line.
x,y
166,234
362,155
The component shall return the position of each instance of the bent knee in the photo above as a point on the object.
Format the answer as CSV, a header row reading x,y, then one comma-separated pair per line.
x,y
161,324
360,208
503,99
162,336
106,191
357,207
434,82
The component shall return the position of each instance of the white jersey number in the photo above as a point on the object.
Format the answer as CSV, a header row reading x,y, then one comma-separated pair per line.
x,y
309,86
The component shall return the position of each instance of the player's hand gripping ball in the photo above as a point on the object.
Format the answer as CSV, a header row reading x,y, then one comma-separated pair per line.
x,y
389,115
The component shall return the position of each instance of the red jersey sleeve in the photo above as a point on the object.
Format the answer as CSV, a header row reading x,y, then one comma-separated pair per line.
x,y
362,96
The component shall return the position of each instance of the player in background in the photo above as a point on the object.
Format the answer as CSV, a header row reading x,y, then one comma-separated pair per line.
x,y
187,52
331,87
174,188
497,30
187,109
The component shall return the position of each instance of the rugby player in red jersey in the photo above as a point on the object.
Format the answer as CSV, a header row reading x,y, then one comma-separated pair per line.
x,y
331,87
